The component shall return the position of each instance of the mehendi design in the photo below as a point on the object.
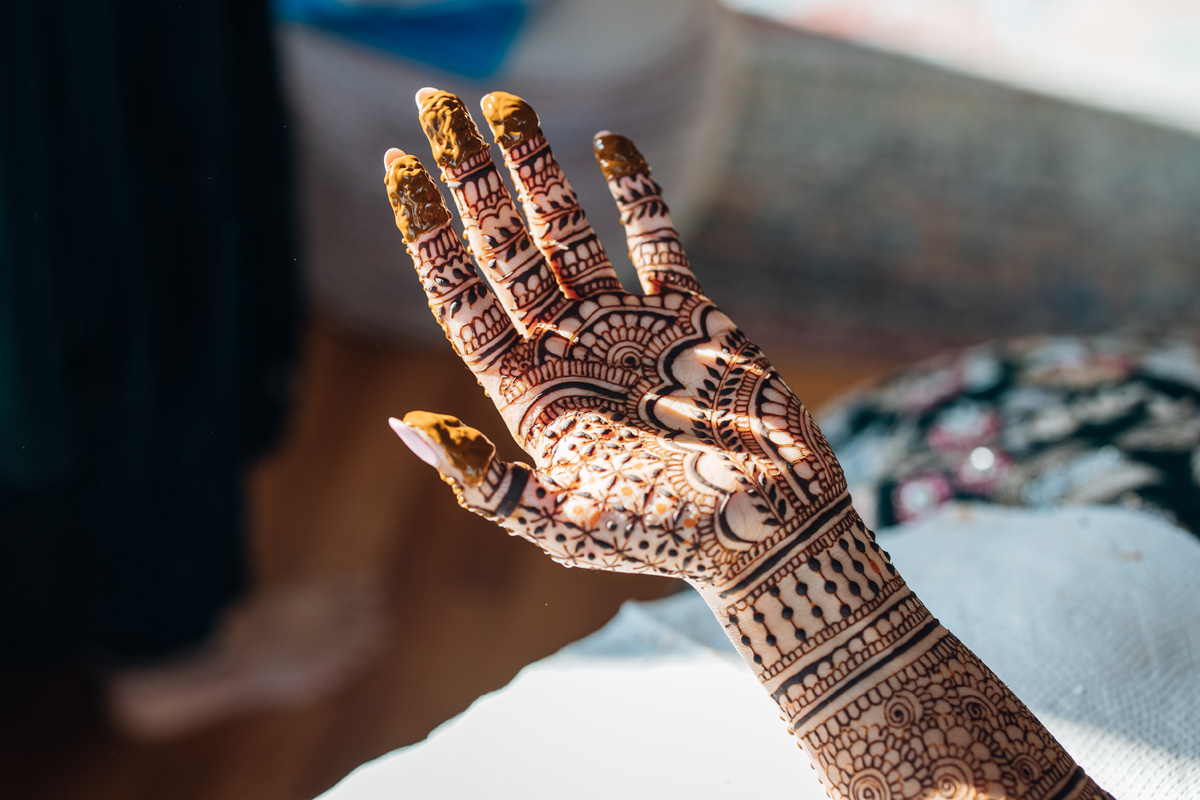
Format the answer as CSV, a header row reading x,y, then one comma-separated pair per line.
x,y
653,244
557,224
884,700
943,722
663,441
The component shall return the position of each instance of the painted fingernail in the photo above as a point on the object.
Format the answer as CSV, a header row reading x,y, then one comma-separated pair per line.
x,y
617,156
420,449
511,119
416,201
468,450
451,131
391,155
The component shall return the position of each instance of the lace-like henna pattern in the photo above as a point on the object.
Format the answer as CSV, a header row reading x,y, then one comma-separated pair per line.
x,y
885,701
633,451
665,442
654,246
493,226
557,224
942,722
471,317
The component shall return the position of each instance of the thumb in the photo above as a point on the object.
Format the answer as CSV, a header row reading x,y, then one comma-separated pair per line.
x,y
575,528
466,459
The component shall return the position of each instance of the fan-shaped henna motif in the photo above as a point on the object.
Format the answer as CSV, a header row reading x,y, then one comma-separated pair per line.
x,y
663,441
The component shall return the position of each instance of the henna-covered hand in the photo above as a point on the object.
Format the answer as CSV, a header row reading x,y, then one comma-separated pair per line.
x,y
663,441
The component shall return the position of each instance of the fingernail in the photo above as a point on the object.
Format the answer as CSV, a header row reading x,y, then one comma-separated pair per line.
x,y
415,443
391,155
424,92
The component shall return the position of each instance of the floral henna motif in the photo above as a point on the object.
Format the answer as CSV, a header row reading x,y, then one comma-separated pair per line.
x,y
651,419
663,441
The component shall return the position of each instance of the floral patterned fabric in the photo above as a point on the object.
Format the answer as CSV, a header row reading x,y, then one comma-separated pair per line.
x,y
1039,422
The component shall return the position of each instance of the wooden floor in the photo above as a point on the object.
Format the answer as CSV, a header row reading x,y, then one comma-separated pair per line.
x,y
467,605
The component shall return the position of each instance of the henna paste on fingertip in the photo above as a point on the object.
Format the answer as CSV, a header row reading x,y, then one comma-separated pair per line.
x,y
469,451
451,131
618,156
416,201
511,119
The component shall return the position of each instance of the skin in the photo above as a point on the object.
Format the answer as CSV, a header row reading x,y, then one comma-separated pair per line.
x,y
664,441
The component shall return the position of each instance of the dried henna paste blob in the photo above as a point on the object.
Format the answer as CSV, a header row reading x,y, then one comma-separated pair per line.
x,y
618,157
452,134
511,119
469,451
416,201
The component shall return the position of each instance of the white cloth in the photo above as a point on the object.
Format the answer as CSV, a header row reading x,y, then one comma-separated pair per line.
x,y
1091,615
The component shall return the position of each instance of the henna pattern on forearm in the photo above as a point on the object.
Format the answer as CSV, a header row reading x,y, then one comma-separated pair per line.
x,y
665,442
944,724
885,701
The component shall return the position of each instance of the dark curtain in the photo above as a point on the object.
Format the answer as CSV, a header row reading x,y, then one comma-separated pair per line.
x,y
149,308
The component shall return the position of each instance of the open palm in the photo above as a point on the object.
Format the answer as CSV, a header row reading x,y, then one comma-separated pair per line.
x,y
663,440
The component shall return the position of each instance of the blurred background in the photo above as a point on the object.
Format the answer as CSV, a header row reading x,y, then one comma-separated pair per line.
x,y
207,316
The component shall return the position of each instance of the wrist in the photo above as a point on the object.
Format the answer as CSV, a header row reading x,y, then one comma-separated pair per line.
x,y
822,614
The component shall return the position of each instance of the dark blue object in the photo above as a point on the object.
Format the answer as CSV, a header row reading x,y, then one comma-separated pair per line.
x,y
466,37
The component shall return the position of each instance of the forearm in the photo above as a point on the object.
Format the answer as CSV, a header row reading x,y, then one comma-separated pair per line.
x,y
885,701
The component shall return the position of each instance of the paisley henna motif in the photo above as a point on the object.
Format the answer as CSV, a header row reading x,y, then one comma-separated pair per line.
x,y
663,441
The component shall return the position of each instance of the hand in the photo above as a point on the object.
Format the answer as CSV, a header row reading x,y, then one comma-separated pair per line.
x,y
664,442
663,439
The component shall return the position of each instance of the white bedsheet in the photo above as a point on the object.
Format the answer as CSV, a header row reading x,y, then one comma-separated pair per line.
x,y
1091,615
